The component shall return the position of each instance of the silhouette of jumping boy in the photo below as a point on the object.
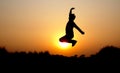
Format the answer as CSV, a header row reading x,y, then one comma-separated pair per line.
x,y
69,29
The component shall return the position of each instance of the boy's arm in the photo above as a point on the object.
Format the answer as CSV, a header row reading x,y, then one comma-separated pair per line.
x,y
71,11
79,29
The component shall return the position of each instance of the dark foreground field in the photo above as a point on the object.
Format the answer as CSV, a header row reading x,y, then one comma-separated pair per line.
x,y
106,56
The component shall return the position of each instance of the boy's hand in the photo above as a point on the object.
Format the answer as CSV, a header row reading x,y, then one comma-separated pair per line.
x,y
72,8
83,32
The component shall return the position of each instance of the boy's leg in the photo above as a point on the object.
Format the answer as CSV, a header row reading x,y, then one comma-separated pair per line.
x,y
63,39
68,40
74,42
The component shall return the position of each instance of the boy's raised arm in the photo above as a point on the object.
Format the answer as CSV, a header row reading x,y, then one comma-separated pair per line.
x,y
71,11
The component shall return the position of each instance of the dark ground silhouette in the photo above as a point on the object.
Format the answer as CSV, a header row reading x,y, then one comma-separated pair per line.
x,y
107,55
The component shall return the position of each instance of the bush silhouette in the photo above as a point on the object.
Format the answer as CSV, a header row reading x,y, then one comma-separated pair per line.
x,y
107,55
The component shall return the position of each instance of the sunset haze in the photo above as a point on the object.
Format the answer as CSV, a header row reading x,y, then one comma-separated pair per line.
x,y
37,25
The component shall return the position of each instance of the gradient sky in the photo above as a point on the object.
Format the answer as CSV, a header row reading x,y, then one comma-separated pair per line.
x,y
37,25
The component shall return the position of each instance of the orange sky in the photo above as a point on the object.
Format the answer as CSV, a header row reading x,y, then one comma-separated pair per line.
x,y
37,25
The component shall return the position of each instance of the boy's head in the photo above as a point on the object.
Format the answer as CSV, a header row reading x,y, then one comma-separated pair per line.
x,y
72,17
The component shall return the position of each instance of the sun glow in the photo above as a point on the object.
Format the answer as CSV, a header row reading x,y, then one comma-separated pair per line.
x,y
58,44
64,45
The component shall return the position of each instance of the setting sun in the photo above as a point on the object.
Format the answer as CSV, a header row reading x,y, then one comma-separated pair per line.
x,y
64,45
